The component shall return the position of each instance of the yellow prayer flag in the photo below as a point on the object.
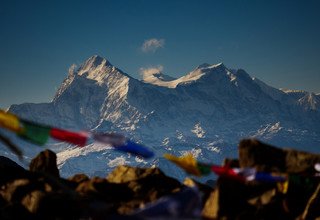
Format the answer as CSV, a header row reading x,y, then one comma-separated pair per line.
x,y
187,162
9,121
283,186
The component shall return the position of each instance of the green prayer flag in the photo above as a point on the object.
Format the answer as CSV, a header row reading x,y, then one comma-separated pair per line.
x,y
204,168
38,134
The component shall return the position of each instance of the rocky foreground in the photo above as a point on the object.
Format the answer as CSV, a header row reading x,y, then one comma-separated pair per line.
x,y
147,193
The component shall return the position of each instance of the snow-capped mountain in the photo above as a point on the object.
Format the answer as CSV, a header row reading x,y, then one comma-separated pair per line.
x,y
205,112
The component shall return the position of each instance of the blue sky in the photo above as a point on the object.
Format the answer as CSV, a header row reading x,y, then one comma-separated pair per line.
x,y
276,41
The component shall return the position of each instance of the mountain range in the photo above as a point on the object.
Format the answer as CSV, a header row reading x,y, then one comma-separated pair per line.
x,y
205,112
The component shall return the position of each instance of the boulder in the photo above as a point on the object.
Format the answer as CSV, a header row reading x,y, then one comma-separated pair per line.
x,y
45,162
264,157
147,185
10,170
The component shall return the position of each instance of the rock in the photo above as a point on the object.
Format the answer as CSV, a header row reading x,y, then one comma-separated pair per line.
x,y
211,206
147,185
126,173
263,157
298,165
79,178
102,189
10,170
45,162
32,200
211,183
253,153
74,181
15,211
312,209
203,188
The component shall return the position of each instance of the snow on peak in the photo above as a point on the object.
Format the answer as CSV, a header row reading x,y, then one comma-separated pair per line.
x,y
94,62
72,70
98,68
157,78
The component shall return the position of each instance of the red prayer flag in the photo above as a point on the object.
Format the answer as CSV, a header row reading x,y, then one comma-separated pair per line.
x,y
226,172
78,138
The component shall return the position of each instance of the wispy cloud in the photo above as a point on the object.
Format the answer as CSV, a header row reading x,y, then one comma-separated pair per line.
x,y
152,45
149,72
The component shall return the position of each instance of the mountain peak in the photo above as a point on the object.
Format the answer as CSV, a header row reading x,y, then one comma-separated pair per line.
x,y
94,62
98,68
210,66
204,65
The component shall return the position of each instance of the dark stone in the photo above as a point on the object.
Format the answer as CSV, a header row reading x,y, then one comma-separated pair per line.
x,y
45,162
147,185
124,174
203,188
79,178
102,189
312,209
74,181
211,183
10,170
15,211
264,157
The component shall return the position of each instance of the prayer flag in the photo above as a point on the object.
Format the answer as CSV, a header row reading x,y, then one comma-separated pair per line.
x,y
204,168
187,162
134,148
33,132
115,140
283,186
227,172
78,138
268,177
317,167
9,121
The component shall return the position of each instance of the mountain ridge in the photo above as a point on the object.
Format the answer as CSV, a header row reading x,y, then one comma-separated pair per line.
x,y
205,111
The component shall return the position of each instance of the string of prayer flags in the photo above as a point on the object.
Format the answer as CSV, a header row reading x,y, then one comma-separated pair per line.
x,y
9,121
134,148
246,174
36,133
77,138
39,134
188,163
